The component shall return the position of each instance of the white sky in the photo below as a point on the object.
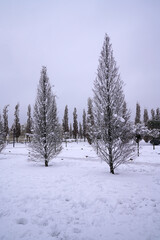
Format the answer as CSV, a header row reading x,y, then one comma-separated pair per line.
x,y
67,37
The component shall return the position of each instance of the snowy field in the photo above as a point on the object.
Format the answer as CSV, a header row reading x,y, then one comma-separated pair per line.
x,y
76,198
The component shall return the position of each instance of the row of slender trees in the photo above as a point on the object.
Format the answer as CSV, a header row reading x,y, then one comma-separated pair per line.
x,y
155,115
106,125
75,130
16,126
81,130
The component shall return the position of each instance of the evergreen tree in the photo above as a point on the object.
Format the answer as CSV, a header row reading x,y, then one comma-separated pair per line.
x,y
138,114
112,133
125,112
157,117
5,121
75,124
16,126
65,121
80,131
46,142
146,137
2,135
70,131
29,123
139,132
84,125
153,114
90,122
145,117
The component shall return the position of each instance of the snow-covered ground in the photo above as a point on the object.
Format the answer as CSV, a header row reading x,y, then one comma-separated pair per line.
x,y
76,198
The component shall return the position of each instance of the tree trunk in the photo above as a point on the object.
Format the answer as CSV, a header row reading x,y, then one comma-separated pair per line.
x,y
111,169
46,163
97,147
111,166
138,148
110,161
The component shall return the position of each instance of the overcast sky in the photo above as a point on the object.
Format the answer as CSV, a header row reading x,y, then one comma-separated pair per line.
x,y
67,37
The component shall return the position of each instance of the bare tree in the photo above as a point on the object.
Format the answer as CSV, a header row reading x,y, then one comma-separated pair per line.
x,y
46,142
113,130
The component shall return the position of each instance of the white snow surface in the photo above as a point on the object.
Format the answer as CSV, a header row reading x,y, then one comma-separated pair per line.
x,y
76,198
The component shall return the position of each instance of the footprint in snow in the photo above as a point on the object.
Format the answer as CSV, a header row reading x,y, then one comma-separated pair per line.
x,y
76,230
22,221
54,231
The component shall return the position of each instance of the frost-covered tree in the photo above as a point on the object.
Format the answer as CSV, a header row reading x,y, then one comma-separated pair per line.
x,y
47,140
75,124
157,116
84,125
125,112
145,117
16,126
65,120
138,128
138,114
5,120
112,132
146,137
29,120
90,122
29,123
70,131
65,125
139,132
2,135
80,131
153,114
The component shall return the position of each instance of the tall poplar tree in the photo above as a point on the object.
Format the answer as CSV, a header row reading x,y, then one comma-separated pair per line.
x,y
75,124
2,135
70,131
157,116
138,114
84,125
65,120
113,130
29,123
46,142
80,131
139,127
153,114
5,120
16,126
145,117
90,122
